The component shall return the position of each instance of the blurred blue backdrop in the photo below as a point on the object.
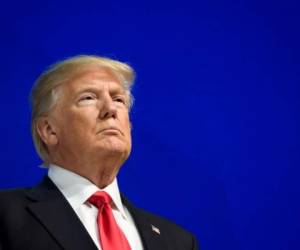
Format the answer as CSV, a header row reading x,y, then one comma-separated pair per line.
x,y
216,117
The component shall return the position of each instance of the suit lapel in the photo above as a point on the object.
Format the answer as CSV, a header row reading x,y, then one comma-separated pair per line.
x,y
152,236
53,211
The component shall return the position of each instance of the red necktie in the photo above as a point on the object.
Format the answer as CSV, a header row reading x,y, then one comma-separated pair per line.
x,y
111,236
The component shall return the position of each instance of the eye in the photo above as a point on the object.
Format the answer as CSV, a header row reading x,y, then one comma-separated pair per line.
x,y
87,97
120,99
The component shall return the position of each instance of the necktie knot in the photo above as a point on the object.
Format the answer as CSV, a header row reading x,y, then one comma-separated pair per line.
x,y
100,198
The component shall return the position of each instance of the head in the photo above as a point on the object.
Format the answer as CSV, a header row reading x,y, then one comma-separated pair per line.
x,y
80,111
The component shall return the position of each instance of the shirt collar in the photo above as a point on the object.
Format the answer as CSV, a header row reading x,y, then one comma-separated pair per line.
x,y
78,189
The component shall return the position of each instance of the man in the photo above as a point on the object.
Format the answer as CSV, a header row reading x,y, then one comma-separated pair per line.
x,y
81,130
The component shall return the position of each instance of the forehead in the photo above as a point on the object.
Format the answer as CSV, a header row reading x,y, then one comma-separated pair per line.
x,y
93,77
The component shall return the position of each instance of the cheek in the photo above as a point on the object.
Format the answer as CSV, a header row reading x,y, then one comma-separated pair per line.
x,y
74,125
127,125
81,119
128,132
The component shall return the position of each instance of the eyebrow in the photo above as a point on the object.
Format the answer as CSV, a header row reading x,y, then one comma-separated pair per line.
x,y
112,90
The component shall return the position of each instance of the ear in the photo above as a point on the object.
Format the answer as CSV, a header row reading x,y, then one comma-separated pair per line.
x,y
46,130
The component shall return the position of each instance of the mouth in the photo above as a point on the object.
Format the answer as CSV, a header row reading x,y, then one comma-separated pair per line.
x,y
110,130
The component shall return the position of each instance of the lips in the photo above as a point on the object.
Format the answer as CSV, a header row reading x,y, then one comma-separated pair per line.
x,y
110,129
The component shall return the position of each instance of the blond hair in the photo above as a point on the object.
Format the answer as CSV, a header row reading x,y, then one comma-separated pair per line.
x,y
44,93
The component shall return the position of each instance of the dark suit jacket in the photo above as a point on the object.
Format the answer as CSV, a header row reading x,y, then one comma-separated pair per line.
x,y
40,218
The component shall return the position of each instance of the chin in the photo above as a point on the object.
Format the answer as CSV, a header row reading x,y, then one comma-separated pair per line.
x,y
115,146
115,149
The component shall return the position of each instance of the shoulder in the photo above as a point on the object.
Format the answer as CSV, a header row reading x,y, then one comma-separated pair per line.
x,y
173,234
13,195
13,199
164,222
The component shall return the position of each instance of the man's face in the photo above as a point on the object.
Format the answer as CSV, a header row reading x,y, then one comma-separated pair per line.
x,y
91,119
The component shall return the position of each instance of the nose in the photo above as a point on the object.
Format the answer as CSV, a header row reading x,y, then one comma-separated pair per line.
x,y
108,109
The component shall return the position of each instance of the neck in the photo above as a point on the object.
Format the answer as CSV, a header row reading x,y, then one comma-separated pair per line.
x,y
101,173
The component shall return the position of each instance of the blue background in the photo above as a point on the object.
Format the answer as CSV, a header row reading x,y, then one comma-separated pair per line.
x,y
216,119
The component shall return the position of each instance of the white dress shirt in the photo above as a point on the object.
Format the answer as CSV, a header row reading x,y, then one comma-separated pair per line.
x,y
77,189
